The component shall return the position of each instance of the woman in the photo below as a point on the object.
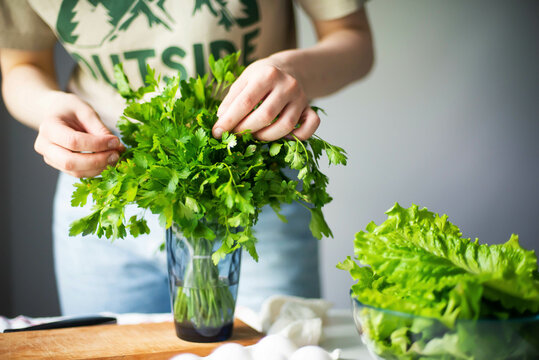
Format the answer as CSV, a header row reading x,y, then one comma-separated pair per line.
x,y
77,133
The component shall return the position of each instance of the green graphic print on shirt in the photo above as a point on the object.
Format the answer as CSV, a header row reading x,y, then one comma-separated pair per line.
x,y
85,26
219,9
105,19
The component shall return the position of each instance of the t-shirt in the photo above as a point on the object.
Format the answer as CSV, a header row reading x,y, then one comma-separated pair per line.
x,y
168,35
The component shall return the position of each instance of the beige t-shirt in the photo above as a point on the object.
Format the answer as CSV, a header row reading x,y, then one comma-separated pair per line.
x,y
168,35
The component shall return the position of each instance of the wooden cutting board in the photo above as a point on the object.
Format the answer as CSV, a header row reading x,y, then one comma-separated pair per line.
x,y
141,341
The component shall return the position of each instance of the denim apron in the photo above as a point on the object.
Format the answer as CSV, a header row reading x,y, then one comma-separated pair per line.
x,y
130,275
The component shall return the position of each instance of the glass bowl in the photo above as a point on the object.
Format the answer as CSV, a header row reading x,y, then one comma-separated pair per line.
x,y
391,334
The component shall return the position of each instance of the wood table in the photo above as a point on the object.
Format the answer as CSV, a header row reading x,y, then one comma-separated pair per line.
x,y
141,341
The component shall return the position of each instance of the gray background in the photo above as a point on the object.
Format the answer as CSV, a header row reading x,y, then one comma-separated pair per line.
x,y
448,119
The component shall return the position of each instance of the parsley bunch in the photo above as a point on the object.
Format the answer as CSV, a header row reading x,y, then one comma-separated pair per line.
x,y
208,187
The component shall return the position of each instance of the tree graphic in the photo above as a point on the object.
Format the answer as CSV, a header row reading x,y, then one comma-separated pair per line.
x,y
92,23
147,8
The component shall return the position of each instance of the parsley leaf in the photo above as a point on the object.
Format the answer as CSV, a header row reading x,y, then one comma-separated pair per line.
x,y
175,168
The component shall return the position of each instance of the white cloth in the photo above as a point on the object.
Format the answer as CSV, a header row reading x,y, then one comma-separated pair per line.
x,y
295,318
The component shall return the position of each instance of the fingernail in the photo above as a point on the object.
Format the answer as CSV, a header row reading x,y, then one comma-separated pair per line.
x,y
114,143
113,158
217,132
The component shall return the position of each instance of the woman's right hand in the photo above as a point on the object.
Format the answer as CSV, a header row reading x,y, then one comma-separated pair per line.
x,y
73,139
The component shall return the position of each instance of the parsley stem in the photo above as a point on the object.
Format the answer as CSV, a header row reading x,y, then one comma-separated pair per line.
x,y
230,172
204,299
301,143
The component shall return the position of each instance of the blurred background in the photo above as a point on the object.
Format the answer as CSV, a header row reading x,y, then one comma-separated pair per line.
x,y
448,119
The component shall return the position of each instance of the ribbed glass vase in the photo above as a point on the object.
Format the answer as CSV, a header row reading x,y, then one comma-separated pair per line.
x,y
203,295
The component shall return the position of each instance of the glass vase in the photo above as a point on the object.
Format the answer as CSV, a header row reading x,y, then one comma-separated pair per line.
x,y
203,295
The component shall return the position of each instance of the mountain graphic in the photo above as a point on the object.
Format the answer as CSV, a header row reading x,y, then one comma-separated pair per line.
x,y
219,9
91,23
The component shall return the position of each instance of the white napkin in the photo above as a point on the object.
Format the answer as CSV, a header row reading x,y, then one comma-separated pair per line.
x,y
295,318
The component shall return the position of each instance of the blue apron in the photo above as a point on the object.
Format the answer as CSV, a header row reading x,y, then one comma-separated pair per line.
x,y
130,275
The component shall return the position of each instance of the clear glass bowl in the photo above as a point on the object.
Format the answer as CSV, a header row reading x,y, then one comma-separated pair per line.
x,y
395,335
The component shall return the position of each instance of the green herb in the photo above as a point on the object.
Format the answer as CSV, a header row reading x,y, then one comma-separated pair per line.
x,y
419,263
173,166
205,188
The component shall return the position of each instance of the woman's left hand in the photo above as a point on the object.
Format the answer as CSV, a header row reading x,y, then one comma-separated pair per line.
x,y
280,95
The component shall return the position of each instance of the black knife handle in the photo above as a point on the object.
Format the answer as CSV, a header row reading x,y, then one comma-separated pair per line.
x,y
67,323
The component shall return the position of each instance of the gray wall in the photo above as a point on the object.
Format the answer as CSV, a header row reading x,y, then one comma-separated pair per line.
x,y
5,270
26,263
448,119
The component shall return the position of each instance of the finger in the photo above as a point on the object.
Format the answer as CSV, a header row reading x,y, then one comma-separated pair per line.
x,y
309,122
39,144
89,119
241,107
59,133
233,92
77,164
270,108
284,125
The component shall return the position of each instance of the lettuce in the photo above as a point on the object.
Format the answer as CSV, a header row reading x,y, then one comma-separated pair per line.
x,y
417,262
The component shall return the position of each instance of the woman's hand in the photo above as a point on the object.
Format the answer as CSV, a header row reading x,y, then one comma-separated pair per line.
x,y
73,139
284,82
280,95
